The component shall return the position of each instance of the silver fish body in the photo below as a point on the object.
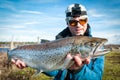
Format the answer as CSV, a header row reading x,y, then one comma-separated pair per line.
x,y
52,55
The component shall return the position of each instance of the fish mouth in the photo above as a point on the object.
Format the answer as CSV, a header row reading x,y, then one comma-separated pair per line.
x,y
100,53
99,49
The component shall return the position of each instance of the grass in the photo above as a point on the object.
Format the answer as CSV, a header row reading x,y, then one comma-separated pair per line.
x,y
27,74
111,71
112,66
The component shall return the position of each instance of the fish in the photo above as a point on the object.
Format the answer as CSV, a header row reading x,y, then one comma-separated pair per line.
x,y
51,55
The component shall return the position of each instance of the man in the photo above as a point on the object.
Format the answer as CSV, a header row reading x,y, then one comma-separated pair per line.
x,y
87,69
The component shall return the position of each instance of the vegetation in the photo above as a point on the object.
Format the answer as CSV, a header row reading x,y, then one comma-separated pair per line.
x,y
27,74
112,66
111,71
18,42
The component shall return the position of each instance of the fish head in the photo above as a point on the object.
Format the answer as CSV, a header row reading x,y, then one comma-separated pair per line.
x,y
90,46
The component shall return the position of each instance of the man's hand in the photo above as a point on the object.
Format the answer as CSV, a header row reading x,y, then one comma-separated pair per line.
x,y
79,62
20,64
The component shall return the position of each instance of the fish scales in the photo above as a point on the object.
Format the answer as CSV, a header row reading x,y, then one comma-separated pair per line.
x,y
52,55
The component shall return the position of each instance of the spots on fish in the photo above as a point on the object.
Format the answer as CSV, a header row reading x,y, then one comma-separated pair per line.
x,y
51,55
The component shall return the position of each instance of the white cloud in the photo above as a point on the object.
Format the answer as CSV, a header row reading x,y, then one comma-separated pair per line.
x,y
43,1
105,24
112,22
7,5
32,23
27,34
94,13
5,37
113,37
31,12
15,26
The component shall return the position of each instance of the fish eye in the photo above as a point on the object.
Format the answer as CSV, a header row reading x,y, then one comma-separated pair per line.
x,y
92,44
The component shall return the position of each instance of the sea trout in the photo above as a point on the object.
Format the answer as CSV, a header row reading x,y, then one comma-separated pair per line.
x,y
52,55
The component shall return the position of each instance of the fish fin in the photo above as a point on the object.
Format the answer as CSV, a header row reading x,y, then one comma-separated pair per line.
x,y
67,61
34,76
37,73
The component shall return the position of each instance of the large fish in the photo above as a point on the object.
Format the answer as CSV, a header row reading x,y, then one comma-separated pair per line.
x,y
52,55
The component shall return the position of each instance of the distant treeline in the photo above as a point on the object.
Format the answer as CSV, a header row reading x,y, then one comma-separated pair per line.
x,y
113,46
18,42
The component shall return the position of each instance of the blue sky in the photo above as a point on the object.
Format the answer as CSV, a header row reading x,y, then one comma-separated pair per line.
x,y
25,20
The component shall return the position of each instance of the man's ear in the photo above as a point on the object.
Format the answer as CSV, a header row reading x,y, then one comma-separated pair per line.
x,y
66,21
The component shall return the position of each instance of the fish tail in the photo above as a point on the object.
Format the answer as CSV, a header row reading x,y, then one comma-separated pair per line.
x,y
8,51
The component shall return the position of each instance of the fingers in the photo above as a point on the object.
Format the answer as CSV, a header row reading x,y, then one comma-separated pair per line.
x,y
87,60
69,56
79,62
13,61
20,64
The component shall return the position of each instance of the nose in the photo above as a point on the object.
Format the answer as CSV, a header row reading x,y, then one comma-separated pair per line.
x,y
79,25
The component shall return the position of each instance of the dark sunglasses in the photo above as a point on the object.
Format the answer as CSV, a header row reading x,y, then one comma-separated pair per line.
x,y
74,23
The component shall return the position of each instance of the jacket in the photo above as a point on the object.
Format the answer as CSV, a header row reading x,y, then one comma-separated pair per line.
x,y
92,71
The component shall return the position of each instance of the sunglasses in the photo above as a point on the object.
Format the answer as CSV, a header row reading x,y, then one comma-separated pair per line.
x,y
74,23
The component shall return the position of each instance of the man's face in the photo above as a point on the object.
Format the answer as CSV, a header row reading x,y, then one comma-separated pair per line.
x,y
77,26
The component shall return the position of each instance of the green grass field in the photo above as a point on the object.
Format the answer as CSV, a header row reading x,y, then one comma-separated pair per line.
x,y
112,66
111,71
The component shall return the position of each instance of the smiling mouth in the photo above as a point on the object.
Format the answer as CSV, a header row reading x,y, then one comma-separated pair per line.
x,y
79,30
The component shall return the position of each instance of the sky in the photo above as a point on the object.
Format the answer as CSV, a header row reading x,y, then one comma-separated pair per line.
x,y
26,20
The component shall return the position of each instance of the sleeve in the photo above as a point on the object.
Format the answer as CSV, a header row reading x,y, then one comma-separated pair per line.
x,y
93,71
51,73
